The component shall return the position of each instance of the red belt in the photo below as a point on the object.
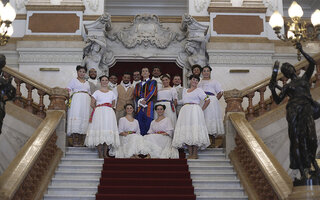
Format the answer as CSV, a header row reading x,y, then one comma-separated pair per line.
x,y
105,104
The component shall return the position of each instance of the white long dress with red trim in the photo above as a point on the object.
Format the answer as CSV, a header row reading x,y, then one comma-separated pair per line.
x,y
103,128
213,113
131,144
79,110
166,96
191,127
159,145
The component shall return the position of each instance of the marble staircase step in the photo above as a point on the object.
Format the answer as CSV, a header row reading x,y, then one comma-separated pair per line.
x,y
69,197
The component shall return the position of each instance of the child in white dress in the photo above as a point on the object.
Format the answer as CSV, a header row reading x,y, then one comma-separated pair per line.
x,y
191,128
79,107
167,96
212,113
103,130
158,142
131,142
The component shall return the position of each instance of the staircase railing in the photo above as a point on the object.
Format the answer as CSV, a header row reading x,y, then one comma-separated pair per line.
x,y
261,174
234,98
29,174
57,96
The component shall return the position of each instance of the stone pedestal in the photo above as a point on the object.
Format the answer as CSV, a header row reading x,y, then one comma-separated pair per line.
x,y
305,193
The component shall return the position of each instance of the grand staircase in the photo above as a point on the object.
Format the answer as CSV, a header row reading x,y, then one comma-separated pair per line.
x,y
78,176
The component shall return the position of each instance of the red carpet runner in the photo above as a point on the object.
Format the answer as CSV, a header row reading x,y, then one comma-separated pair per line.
x,y
145,179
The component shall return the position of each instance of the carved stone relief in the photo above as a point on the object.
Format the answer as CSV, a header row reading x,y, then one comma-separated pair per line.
x,y
145,39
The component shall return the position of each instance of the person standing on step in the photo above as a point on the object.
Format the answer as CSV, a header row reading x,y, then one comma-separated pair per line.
x,y
191,128
124,95
131,141
212,113
113,81
167,96
196,71
158,142
156,75
103,131
145,95
177,85
93,81
136,78
78,107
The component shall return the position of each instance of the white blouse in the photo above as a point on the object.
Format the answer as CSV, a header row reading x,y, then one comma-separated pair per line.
x,y
76,86
195,96
102,97
164,125
169,94
211,85
125,125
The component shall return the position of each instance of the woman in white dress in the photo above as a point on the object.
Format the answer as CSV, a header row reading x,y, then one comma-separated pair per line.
x,y
79,107
212,113
158,142
167,96
103,130
191,128
131,142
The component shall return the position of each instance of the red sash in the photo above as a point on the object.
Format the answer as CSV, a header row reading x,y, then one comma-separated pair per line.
x,y
105,104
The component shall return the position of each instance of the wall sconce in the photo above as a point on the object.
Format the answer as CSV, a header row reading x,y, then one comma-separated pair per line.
x,y
7,15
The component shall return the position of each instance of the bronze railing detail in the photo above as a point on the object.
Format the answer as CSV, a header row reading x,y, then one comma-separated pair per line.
x,y
57,96
265,103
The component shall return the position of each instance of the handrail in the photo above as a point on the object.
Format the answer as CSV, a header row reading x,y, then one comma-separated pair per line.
x,y
269,168
234,98
57,96
41,146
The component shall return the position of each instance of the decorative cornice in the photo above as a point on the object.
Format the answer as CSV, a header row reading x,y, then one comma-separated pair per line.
x,y
52,38
56,7
202,18
50,57
243,58
241,39
21,17
237,10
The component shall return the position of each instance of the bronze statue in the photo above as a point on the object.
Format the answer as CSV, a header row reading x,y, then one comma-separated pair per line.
x,y
302,110
7,91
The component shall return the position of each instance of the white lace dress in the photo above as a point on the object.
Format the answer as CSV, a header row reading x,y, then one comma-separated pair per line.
x,y
103,128
131,144
191,128
213,113
166,96
79,110
158,145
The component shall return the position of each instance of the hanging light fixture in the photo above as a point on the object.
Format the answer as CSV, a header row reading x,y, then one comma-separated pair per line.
x,y
7,15
297,30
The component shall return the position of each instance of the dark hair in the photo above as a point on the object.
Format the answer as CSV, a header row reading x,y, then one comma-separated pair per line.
x,y
165,76
177,75
126,73
163,106
128,104
207,66
144,68
113,75
194,76
156,67
103,76
81,67
196,66
136,71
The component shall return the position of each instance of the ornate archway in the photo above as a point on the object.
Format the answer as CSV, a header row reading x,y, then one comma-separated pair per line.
x,y
145,39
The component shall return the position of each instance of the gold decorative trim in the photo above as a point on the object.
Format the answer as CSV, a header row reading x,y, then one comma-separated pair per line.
x,y
21,17
91,17
129,18
56,7
49,69
239,71
237,10
241,39
202,18
52,38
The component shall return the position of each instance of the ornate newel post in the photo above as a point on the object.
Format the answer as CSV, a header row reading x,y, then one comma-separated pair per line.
x,y
233,99
58,99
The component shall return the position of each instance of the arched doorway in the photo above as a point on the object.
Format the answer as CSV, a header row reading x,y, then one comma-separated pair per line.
x,y
170,68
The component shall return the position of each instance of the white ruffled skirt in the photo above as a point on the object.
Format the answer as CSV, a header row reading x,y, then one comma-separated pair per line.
x,y
213,117
167,113
78,114
130,145
103,129
191,128
159,146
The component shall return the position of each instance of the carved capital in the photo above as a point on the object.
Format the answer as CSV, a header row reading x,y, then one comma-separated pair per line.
x,y
58,99
234,100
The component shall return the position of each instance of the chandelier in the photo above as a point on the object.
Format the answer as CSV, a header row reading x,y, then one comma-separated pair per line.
x,y
298,30
7,15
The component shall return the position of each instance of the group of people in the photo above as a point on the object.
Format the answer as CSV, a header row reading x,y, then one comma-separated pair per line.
x,y
145,118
